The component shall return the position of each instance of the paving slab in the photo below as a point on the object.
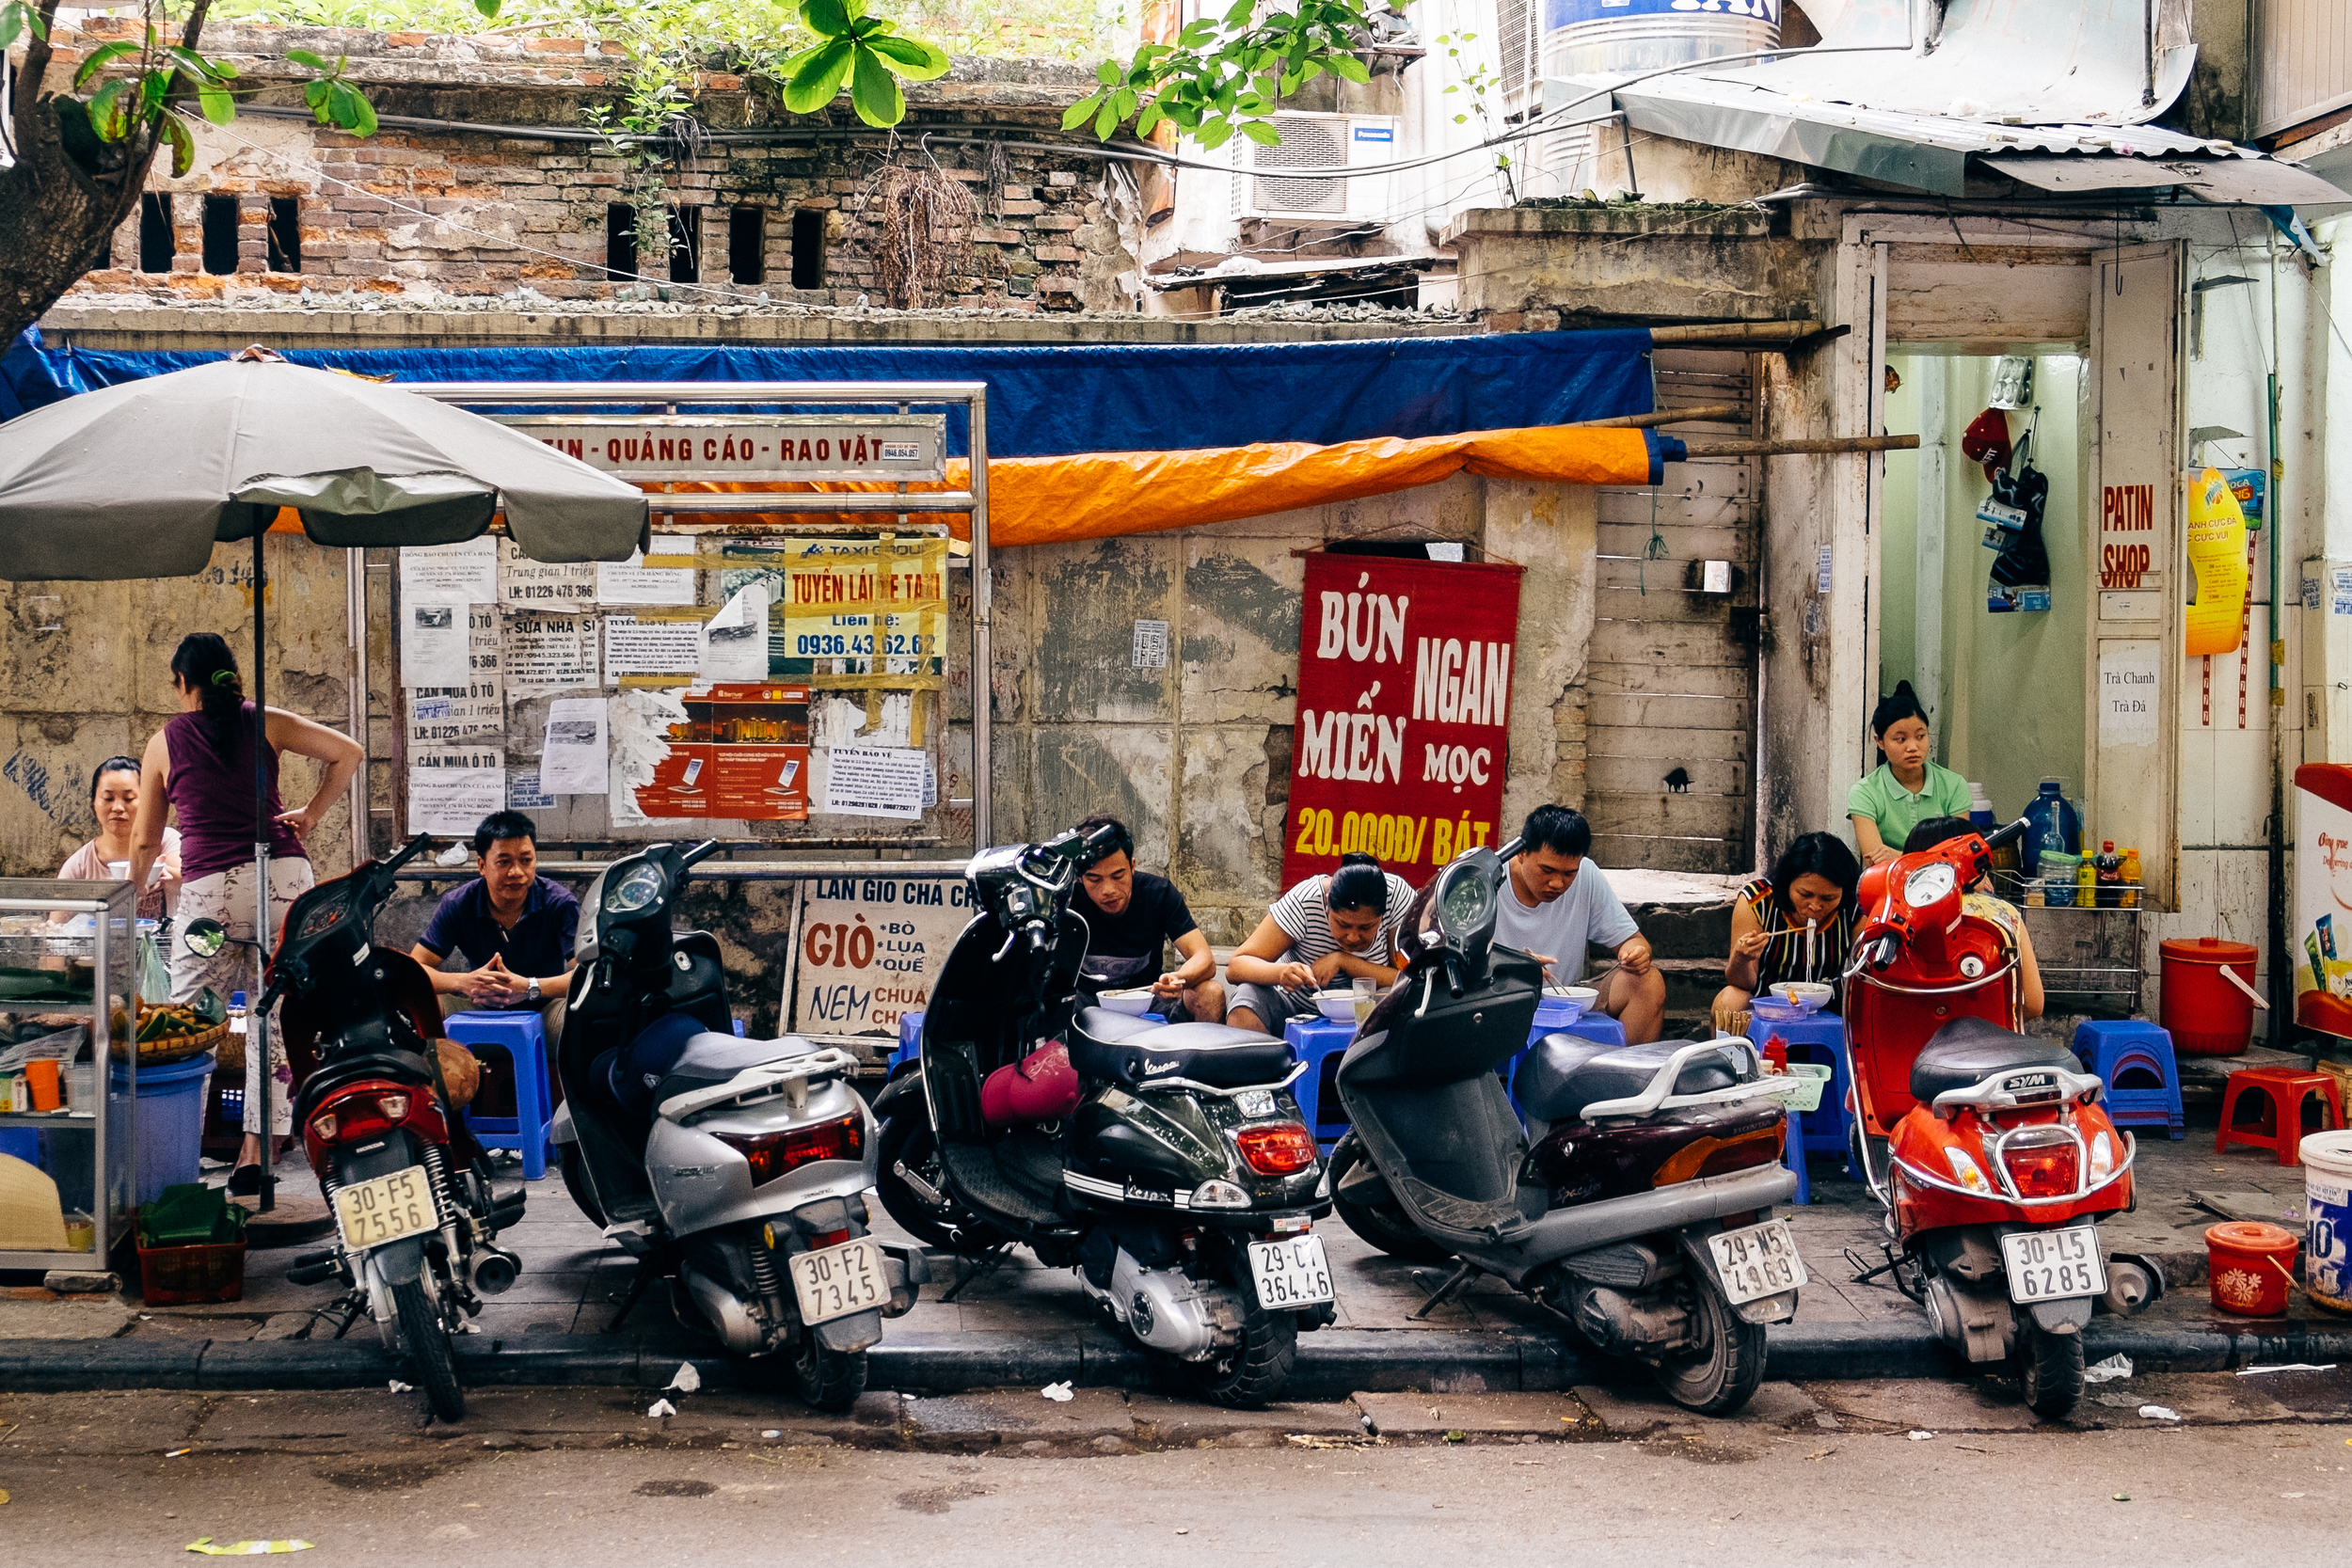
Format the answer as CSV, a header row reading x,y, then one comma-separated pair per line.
x,y
2199,1399
1176,1423
1543,1416
100,1423
983,1419
68,1319
375,1416
1982,1404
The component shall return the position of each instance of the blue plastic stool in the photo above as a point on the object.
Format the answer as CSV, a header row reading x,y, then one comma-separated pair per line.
x,y
1820,1038
1320,1043
2112,1048
523,1037
910,1040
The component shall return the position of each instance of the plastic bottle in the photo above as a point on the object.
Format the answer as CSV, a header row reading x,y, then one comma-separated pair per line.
x,y
2057,825
1980,807
2130,898
236,1012
2086,885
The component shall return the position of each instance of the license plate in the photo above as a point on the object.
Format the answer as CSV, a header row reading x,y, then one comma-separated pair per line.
x,y
2054,1265
1290,1272
1757,1261
386,1209
835,1281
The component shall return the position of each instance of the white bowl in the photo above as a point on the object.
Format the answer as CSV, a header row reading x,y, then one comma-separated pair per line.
x,y
1135,1004
1336,1006
1806,996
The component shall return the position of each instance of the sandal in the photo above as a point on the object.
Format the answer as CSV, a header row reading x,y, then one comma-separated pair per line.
x,y
246,1182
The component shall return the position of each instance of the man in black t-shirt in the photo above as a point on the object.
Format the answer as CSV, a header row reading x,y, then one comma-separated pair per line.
x,y
1130,915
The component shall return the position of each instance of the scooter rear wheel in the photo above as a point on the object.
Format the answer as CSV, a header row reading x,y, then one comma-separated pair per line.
x,y
827,1380
2049,1370
1382,1225
1727,1369
1251,1374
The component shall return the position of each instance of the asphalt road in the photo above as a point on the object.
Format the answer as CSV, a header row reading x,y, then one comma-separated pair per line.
x,y
1009,1478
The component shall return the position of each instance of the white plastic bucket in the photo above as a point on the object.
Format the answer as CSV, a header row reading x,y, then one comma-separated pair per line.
x,y
2327,1219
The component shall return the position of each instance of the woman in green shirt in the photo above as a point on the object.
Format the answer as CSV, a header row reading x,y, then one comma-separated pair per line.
x,y
1905,789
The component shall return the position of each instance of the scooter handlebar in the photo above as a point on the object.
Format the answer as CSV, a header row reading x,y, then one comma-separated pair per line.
x,y
410,851
698,854
2001,837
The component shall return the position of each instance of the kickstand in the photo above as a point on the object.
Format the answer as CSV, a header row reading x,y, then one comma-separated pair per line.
x,y
637,1287
1445,1292
1864,1274
987,1262
351,1306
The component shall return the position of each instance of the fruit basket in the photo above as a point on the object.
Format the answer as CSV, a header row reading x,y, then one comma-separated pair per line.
x,y
167,1035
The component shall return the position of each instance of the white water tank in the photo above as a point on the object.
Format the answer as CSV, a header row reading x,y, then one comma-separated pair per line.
x,y
1622,37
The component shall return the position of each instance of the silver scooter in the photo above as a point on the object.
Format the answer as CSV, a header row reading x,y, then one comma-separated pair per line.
x,y
745,1189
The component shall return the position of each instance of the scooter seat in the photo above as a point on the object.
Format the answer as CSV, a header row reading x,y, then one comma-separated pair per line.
x,y
1564,1074
1966,1049
712,1059
1117,1048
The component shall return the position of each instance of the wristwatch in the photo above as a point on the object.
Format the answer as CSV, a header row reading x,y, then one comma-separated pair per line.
x,y
531,991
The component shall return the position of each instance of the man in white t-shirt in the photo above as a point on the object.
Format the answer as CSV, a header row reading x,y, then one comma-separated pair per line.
x,y
1556,900
1328,932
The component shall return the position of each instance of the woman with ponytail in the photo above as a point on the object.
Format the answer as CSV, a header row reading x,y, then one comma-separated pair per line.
x,y
1906,788
200,767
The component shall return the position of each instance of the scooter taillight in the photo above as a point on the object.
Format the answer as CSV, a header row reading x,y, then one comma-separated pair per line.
x,y
2042,1162
1720,1156
772,1154
362,1111
1280,1150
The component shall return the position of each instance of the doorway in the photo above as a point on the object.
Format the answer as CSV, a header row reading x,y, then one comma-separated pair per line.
x,y
2003,688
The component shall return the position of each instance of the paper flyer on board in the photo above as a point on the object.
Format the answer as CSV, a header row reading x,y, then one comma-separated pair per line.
x,y
466,709
547,654
449,573
573,760
630,582
544,585
875,781
434,646
451,788
634,647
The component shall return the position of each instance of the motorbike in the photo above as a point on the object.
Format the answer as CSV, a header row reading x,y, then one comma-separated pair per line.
x,y
1167,1162
415,1214
1635,1203
1999,1159
745,1188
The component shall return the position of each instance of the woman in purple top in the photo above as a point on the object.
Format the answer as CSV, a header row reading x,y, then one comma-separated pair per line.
x,y
200,766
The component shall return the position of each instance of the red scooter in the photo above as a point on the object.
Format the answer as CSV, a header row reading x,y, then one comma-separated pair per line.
x,y
1999,1159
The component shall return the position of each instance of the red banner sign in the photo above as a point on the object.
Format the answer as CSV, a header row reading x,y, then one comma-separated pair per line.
x,y
1404,712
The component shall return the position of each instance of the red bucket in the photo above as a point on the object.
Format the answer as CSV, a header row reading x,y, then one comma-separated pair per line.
x,y
2253,1266
2204,1011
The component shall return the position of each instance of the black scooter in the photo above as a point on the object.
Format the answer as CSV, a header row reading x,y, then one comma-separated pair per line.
x,y
1167,1161
1641,1215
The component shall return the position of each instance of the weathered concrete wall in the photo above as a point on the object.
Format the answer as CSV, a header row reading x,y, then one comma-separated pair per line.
x,y
84,674
1545,267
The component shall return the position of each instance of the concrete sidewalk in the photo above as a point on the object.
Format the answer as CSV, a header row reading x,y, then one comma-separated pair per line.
x,y
1021,1324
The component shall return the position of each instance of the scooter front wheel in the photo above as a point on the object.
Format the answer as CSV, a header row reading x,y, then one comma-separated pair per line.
x,y
1726,1370
907,1141
427,1338
2049,1370
1382,1225
576,1182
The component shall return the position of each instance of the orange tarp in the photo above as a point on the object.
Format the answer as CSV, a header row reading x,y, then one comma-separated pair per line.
x,y
1039,501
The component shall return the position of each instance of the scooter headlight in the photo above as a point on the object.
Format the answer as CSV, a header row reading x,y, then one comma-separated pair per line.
x,y
1965,1171
2102,1157
1219,1195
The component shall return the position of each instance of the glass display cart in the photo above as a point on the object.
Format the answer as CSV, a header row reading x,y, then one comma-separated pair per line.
x,y
69,1119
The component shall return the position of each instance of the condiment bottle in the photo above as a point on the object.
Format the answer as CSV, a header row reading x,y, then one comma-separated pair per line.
x,y
2130,879
2108,869
2086,885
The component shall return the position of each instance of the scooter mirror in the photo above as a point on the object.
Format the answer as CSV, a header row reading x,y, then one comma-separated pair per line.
x,y
204,938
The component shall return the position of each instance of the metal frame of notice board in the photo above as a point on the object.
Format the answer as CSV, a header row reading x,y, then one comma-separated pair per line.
x,y
780,396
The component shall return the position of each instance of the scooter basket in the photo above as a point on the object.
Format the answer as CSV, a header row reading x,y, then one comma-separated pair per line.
x,y
1803,1084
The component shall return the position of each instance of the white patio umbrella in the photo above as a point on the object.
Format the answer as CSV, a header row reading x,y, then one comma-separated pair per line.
x,y
142,480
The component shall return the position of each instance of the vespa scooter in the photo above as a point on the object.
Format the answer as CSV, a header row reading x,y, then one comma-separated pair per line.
x,y
1999,1159
1167,1161
745,1189
1642,1214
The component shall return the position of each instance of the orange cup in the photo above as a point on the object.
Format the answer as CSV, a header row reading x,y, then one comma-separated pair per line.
x,y
41,1076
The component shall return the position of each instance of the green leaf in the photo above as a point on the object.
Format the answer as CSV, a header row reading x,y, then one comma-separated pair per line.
x,y
1150,120
1216,134
217,105
912,58
487,7
305,59
183,145
874,92
1106,121
829,18
821,76
350,109
790,65
1349,67
1108,74
152,86
1082,111
100,58
13,19
108,112
1260,132
314,94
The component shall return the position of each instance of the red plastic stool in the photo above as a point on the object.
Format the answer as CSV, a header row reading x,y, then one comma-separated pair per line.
x,y
2282,1126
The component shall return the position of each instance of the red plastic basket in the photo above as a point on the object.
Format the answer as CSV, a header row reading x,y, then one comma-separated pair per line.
x,y
189,1275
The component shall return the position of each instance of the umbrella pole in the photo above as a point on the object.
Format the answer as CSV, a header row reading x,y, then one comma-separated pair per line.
x,y
257,1023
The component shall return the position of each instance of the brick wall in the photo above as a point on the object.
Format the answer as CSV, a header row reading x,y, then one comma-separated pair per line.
x,y
415,211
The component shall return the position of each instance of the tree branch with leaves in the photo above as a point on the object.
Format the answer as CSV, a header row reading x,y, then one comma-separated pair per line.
x,y
1223,76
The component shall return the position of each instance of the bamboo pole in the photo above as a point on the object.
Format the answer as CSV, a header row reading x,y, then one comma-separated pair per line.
x,y
1785,449
1714,411
1735,332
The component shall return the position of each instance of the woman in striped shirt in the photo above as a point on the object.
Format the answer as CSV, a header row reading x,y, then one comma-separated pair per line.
x,y
1795,924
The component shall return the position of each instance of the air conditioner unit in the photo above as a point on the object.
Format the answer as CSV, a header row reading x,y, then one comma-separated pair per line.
x,y
1261,189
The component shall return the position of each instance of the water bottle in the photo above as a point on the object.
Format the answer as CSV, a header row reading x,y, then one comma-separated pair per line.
x,y
2055,825
1980,808
236,1012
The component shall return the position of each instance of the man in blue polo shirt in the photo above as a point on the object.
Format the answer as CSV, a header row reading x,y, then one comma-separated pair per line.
x,y
516,926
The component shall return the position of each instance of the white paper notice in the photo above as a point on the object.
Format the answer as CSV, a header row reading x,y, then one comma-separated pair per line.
x,y
453,789
2127,693
1151,645
528,584
440,714
449,573
738,639
629,581
573,760
549,653
523,792
433,645
634,647
875,781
